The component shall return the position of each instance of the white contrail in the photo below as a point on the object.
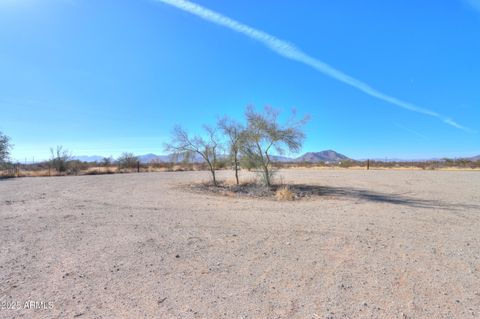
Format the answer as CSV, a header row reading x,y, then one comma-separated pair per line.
x,y
289,51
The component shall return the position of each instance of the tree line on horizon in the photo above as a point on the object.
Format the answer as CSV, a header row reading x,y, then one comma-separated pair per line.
x,y
229,143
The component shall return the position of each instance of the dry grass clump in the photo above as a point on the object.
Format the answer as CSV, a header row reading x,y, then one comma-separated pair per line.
x,y
39,173
284,193
36,173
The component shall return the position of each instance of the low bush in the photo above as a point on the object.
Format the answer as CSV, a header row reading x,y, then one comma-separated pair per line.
x,y
284,194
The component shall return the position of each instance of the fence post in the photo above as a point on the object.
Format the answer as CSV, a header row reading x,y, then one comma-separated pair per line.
x,y
368,164
138,166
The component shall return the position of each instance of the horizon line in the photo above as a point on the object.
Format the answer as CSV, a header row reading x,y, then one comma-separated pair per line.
x,y
292,156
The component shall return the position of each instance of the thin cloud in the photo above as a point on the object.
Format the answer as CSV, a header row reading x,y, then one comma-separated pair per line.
x,y
290,51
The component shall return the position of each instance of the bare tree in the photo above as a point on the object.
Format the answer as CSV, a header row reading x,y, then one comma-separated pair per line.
x,y
106,161
5,147
185,146
127,160
234,132
60,158
264,133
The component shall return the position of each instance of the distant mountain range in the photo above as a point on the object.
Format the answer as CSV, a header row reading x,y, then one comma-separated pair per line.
x,y
311,157
327,156
148,158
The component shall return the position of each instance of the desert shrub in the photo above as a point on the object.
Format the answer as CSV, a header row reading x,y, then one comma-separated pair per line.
x,y
5,147
127,160
60,159
347,163
107,162
156,163
74,167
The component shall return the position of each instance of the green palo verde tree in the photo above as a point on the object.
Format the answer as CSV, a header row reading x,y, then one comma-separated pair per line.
x,y
264,134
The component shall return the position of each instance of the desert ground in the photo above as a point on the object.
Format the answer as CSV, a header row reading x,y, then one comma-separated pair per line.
x,y
375,244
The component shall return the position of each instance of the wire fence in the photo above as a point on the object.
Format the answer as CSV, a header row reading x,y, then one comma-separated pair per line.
x,y
11,170
45,169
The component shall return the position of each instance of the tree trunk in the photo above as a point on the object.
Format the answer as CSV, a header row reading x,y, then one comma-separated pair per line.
x,y
236,174
267,171
267,176
213,177
236,169
212,168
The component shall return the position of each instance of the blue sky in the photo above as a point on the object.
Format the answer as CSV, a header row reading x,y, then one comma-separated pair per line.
x,y
103,77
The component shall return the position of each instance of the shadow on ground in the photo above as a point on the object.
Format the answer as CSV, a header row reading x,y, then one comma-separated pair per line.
x,y
303,190
307,191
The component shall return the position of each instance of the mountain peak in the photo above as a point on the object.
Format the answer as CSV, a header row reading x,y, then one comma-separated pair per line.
x,y
322,156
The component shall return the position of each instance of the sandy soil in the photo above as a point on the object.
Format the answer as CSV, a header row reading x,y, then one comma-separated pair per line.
x,y
377,244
